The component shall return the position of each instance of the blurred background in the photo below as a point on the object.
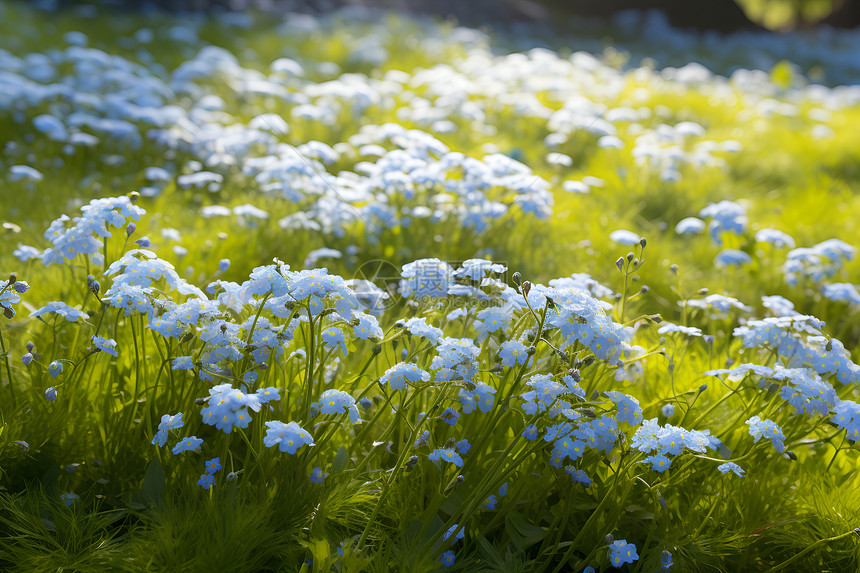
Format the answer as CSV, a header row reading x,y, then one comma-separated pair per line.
x,y
720,15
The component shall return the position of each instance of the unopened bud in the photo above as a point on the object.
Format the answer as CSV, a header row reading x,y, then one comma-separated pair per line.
x,y
377,348
674,269
531,350
410,463
829,346
13,278
30,346
791,455
527,286
130,229
702,291
8,312
200,401
643,242
702,388
609,539
620,263
517,278
134,196
630,257
644,289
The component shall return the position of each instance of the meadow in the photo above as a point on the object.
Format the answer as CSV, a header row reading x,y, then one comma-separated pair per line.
x,y
364,292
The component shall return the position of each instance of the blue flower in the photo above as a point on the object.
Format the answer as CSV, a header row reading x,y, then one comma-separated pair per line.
x,y
578,476
213,465
398,375
846,416
450,416
493,319
224,264
666,560
269,394
426,278
183,363
422,439
51,394
187,444
105,345
463,446
451,531
530,432
659,462
55,368
339,402
447,558
206,481
168,422
69,498
628,407
503,490
731,258
289,437
768,429
482,396
317,475
621,552
733,467
512,352
491,502
61,308
447,455
332,338
419,327
367,326
228,407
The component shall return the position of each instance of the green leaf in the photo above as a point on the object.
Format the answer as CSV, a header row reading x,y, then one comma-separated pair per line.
x,y
341,458
152,488
522,533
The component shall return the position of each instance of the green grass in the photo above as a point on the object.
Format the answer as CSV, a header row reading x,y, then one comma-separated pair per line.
x,y
139,506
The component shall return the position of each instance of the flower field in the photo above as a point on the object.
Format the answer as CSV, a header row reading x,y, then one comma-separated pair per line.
x,y
363,292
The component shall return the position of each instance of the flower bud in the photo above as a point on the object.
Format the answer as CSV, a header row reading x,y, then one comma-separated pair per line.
x,y
643,242
702,388
791,455
27,359
517,278
674,269
223,265
143,242
410,463
630,257
526,287
609,539
130,229
13,278
51,394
